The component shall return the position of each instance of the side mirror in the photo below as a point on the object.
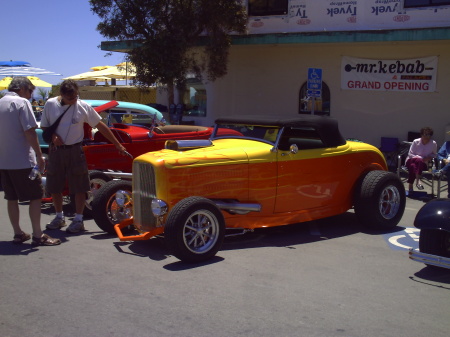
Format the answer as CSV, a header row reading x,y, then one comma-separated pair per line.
x,y
293,148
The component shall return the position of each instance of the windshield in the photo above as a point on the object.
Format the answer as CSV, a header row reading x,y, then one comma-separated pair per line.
x,y
112,116
266,134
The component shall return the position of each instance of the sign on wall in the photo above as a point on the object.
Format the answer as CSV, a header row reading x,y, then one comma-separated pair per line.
x,y
417,74
332,15
314,83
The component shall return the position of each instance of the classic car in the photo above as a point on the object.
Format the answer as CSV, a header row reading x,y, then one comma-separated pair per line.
x,y
433,219
104,162
122,112
264,172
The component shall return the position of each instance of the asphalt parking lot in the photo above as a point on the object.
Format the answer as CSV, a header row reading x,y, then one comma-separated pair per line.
x,y
325,278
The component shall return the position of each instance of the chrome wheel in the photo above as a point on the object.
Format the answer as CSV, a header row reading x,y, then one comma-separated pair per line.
x,y
96,180
96,184
389,202
106,210
201,231
117,213
194,229
379,200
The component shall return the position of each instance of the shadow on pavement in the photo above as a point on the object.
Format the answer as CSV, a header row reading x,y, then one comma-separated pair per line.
x,y
419,195
9,248
154,248
287,236
433,276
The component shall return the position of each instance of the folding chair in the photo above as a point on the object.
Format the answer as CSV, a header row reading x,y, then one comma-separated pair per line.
x,y
442,182
402,153
389,148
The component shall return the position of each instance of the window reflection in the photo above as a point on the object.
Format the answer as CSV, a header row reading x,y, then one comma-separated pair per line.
x,y
321,104
194,98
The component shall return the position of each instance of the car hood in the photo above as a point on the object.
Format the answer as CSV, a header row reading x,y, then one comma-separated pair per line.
x,y
223,151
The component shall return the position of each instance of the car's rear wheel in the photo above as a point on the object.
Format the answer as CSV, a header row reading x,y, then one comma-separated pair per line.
x,y
194,230
380,200
105,209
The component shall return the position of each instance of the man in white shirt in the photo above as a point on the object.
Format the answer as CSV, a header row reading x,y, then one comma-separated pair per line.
x,y
66,156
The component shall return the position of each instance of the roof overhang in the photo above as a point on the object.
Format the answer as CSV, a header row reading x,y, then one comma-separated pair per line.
x,y
424,34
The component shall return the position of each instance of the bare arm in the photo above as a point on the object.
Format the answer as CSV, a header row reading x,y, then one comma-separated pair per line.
x,y
32,139
106,131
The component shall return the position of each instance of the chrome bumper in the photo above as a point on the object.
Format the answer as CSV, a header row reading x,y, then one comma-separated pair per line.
x,y
432,260
121,175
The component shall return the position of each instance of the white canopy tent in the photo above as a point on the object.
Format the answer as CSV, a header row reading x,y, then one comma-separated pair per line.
x,y
102,73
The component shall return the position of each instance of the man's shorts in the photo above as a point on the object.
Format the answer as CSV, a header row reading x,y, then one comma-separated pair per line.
x,y
18,186
67,163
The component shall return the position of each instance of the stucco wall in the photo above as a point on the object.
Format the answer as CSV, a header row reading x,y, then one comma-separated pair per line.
x,y
266,79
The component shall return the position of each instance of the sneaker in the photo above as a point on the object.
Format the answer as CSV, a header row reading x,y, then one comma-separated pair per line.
x,y
56,223
76,226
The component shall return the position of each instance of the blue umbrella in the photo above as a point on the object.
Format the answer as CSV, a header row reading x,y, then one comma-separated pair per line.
x,y
14,64
22,68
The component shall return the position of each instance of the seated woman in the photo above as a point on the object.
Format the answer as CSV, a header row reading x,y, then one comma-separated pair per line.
x,y
422,150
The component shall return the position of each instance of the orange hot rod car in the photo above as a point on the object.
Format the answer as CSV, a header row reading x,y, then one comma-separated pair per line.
x,y
264,172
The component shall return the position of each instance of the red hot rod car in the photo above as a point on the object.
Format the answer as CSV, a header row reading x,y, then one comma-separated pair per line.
x,y
104,162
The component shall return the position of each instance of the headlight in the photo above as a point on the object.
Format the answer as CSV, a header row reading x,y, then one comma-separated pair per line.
x,y
159,207
123,198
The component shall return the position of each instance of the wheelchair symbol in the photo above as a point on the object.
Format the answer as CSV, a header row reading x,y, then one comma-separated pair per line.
x,y
314,75
406,241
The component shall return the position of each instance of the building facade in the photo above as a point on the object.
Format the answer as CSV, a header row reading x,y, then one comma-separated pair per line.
x,y
385,66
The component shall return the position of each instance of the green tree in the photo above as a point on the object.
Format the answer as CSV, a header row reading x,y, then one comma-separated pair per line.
x,y
42,93
175,37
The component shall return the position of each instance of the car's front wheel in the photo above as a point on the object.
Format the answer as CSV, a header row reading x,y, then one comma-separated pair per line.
x,y
194,230
380,200
105,209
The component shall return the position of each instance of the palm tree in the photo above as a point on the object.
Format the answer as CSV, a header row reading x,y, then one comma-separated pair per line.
x,y
42,93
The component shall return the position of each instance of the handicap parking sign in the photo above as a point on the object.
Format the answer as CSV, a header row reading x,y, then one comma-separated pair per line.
x,y
314,84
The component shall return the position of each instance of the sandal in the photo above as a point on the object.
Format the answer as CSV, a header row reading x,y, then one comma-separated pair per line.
x,y
419,186
46,240
20,238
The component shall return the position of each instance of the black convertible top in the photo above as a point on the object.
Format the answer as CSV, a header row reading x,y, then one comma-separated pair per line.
x,y
326,127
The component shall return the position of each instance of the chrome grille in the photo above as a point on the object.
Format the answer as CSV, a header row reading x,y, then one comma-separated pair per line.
x,y
144,190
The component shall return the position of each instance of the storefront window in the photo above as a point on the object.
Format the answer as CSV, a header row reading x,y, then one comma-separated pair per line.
x,y
267,7
194,98
321,104
425,3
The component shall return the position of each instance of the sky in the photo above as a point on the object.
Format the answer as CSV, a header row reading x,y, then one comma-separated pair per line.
x,y
57,35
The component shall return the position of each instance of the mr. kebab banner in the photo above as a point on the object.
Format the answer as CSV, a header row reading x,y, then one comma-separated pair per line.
x,y
418,74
